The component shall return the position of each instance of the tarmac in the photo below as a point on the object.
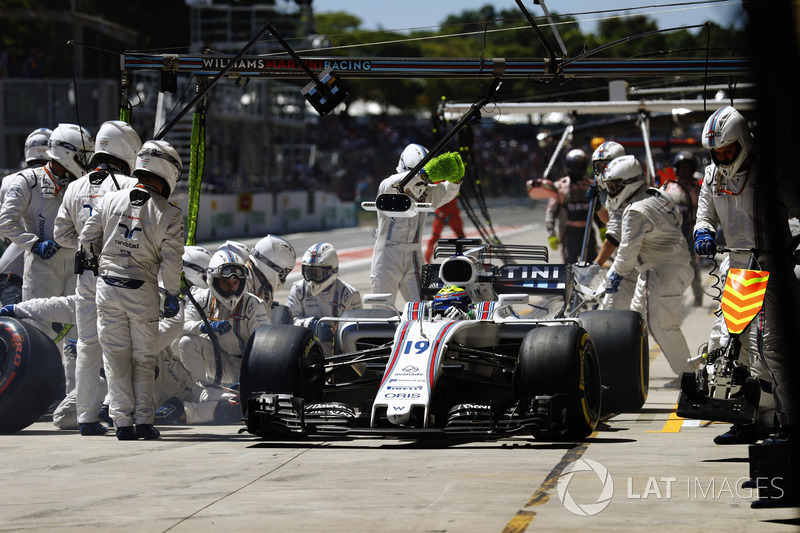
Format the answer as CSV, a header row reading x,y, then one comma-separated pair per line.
x,y
648,470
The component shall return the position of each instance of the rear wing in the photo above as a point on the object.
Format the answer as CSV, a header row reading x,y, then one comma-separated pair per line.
x,y
505,253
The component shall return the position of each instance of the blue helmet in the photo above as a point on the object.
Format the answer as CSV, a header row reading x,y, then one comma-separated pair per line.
x,y
451,296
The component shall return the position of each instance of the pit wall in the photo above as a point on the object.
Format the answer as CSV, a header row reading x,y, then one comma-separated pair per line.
x,y
236,216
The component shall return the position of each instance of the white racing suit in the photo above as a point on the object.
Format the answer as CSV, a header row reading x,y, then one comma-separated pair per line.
x,y
28,213
141,237
196,348
397,257
12,262
624,295
12,268
80,200
653,245
737,213
200,404
334,300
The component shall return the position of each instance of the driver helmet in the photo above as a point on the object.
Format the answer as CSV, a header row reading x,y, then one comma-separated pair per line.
x,y
224,268
271,260
604,154
36,146
71,147
723,128
620,180
451,296
320,267
195,265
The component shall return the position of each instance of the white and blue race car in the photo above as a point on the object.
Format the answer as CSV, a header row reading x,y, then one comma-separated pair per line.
x,y
516,364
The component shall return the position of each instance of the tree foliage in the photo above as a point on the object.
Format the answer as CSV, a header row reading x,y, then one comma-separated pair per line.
x,y
483,32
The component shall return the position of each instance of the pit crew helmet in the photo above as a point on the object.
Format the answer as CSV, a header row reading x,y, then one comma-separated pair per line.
x,y
451,296
36,146
576,162
724,127
239,248
195,265
622,177
320,267
159,158
119,140
272,258
685,156
226,265
71,147
411,156
604,154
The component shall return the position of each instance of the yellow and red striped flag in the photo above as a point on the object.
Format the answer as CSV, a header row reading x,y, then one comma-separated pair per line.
x,y
743,297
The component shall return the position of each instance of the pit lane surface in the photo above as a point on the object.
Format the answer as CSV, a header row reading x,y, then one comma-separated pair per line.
x,y
644,471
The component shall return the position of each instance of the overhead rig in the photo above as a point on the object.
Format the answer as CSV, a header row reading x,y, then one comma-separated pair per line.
x,y
285,67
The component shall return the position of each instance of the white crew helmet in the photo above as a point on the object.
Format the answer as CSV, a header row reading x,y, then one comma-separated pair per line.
x,y
604,154
160,159
621,178
724,127
411,156
320,266
71,147
36,146
273,258
226,265
119,140
239,248
195,265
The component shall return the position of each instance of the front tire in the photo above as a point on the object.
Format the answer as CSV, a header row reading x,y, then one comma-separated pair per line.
x,y
282,359
561,360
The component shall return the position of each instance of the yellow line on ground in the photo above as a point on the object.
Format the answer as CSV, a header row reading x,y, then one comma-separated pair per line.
x,y
673,423
520,521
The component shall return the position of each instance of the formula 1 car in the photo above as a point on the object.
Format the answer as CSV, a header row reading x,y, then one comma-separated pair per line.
x,y
506,370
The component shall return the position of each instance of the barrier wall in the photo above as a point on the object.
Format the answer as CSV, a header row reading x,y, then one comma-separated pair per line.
x,y
236,216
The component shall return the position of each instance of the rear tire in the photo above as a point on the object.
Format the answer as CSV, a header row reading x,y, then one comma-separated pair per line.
x,y
561,360
622,345
31,374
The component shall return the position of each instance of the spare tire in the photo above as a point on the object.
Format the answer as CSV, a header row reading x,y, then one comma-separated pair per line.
x,y
622,345
31,374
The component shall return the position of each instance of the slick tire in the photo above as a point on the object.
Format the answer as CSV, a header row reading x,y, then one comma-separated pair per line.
x,y
561,360
31,374
622,345
282,359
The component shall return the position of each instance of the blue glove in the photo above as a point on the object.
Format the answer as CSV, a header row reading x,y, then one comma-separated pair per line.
x,y
172,305
592,192
612,283
8,310
45,248
704,243
219,327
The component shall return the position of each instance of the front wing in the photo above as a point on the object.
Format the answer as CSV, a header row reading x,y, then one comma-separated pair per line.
x,y
284,415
